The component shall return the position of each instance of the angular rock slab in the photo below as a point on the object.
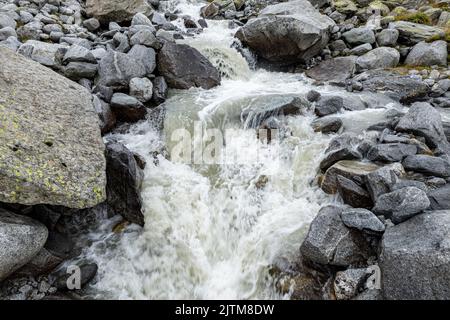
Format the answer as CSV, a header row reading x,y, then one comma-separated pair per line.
x,y
21,238
51,150
415,258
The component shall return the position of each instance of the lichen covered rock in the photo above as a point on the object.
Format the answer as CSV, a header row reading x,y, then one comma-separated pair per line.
x,y
51,149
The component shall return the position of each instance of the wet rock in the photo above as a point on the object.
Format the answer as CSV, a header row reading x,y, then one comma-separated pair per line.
x,y
22,238
327,105
38,139
429,165
313,96
159,90
127,108
343,147
327,124
387,37
348,283
417,250
353,194
425,121
64,282
428,54
184,67
124,183
440,198
411,33
334,70
358,36
363,220
391,152
42,263
379,58
401,204
116,10
330,242
266,35
403,88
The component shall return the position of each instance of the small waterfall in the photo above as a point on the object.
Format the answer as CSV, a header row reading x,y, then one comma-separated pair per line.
x,y
214,231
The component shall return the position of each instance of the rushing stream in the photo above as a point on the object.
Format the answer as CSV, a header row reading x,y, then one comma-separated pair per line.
x,y
211,231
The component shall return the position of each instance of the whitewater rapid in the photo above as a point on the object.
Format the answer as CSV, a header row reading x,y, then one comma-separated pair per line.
x,y
211,232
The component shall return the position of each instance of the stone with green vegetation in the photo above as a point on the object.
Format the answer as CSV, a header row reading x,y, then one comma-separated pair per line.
x,y
51,150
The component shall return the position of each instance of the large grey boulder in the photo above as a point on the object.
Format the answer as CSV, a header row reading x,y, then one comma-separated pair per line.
x,y
21,238
379,58
51,150
428,54
330,242
116,10
415,258
425,121
358,36
402,204
183,67
287,32
334,70
434,166
412,33
48,54
124,183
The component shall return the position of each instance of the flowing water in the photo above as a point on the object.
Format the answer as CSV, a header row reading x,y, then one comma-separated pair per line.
x,y
212,231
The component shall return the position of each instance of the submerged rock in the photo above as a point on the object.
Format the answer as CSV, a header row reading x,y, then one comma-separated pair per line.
x,y
44,157
415,258
21,239
308,32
